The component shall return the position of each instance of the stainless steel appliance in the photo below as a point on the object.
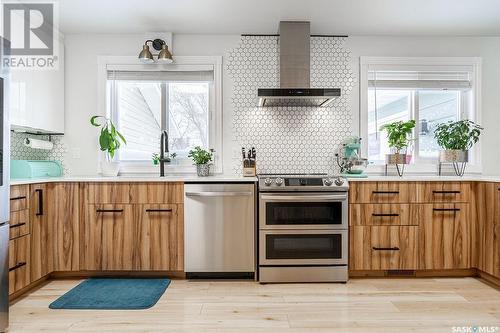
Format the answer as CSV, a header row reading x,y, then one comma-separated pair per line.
x,y
295,63
303,228
219,230
4,206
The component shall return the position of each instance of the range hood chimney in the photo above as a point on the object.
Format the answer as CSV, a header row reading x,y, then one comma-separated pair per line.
x,y
295,71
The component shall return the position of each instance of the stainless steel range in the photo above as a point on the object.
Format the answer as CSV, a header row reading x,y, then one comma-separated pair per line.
x,y
303,228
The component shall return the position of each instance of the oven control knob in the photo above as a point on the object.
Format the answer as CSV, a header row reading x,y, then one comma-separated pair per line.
x,y
339,181
279,181
268,181
328,182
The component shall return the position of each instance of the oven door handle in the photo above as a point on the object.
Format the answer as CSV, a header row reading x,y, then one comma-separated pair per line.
x,y
305,198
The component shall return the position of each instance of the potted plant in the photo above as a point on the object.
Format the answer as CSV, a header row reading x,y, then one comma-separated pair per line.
x,y
456,138
110,140
399,137
156,158
202,159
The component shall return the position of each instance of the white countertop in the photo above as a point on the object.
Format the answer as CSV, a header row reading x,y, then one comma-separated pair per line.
x,y
144,179
424,178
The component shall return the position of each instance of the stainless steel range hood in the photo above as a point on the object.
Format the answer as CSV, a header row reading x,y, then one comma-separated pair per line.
x,y
295,76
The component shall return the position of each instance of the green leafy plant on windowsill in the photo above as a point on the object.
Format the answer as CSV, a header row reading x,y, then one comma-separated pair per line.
x,y
156,158
457,135
110,139
399,134
202,159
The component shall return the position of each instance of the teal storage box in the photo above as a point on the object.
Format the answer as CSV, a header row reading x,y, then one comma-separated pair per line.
x,y
21,169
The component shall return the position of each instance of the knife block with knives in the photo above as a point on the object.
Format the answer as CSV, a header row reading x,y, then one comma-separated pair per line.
x,y
249,165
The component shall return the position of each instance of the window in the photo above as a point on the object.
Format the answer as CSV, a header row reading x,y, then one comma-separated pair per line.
x,y
428,90
182,99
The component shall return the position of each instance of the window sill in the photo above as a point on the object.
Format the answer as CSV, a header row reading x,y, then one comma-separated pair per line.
x,y
130,168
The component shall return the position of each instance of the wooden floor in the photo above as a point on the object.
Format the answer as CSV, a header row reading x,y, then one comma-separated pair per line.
x,y
362,305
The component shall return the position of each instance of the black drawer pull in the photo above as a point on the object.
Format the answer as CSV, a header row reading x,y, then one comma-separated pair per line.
x,y
383,215
385,192
40,202
19,265
109,210
446,192
158,210
386,248
18,198
17,225
446,209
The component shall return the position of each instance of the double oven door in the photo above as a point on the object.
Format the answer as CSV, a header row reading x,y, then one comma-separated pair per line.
x,y
303,229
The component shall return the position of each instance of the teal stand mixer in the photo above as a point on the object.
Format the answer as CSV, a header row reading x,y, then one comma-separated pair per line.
x,y
351,164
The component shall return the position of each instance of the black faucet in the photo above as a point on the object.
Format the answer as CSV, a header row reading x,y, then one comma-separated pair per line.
x,y
163,150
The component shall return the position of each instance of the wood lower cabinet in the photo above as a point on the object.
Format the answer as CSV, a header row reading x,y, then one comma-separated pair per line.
x,y
159,231
383,214
444,236
19,223
383,248
42,260
108,240
19,263
64,214
382,192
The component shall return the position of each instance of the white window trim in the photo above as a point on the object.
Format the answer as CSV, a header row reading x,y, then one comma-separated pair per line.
x,y
215,110
420,168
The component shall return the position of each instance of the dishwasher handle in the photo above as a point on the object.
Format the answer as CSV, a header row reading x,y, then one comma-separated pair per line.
x,y
219,194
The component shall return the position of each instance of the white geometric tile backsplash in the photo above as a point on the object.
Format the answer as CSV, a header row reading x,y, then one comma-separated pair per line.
x,y
20,152
290,139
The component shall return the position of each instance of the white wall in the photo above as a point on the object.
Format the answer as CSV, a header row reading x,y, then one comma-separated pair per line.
x,y
81,82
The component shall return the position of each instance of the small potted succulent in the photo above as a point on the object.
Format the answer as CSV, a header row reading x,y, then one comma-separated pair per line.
x,y
456,138
110,140
202,159
399,138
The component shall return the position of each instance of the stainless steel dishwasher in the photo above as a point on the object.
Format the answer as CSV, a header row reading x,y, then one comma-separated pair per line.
x,y
219,230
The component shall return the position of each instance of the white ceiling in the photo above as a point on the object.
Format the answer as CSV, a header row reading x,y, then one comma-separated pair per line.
x,y
352,17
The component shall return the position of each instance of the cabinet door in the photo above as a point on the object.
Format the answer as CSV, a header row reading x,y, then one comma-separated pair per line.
x,y
383,248
63,212
108,240
445,236
159,229
496,234
382,192
41,233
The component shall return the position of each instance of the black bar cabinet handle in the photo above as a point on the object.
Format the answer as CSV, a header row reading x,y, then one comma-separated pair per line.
x,y
19,265
386,248
446,209
40,202
388,215
18,198
17,225
109,210
385,192
158,210
446,192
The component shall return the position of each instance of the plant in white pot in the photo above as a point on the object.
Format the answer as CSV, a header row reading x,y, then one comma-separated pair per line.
x,y
457,138
202,159
110,140
399,138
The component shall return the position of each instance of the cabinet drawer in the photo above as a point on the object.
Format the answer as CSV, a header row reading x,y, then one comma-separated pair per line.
x,y
19,263
145,193
383,248
382,192
445,236
383,214
444,192
19,223
19,196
